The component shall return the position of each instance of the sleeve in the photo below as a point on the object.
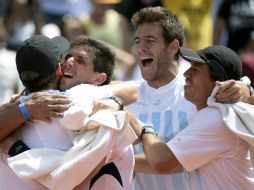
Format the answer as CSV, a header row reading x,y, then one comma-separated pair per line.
x,y
90,92
82,95
200,142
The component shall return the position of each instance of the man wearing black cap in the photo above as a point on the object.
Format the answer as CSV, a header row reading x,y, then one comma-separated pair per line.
x,y
45,51
81,64
211,156
37,60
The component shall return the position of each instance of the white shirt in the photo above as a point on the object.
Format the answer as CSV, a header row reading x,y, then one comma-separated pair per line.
x,y
42,135
169,112
208,147
39,134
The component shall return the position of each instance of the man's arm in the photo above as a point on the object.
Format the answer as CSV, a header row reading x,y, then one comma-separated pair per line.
x,y
41,106
127,91
158,158
159,155
10,119
142,165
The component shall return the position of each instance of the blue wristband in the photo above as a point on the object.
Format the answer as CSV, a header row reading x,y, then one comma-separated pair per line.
x,y
24,112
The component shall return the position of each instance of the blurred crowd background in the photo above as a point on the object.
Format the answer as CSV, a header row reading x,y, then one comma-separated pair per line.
x,y
226,22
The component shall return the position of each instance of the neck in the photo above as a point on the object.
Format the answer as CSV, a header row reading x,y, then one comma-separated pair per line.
x,y
201,106
49,87
165,78
53,87
53,84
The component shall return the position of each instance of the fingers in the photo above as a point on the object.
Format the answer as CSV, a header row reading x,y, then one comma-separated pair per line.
x,y
231,97
232,91
50,98
47,111
14,98
42,106
229,93
46,116
58,101
54,114
224,86
59,108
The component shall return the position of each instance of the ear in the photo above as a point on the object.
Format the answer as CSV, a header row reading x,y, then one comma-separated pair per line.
x,y
173,47
99,78
59,70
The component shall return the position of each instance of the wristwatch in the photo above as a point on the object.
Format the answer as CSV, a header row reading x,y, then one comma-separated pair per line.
x,y
119,101
148,128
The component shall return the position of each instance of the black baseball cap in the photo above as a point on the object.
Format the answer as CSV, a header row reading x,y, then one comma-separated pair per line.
x,y
221,60
38,57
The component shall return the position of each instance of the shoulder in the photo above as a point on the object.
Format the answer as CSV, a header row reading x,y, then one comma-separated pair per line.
x,y
82,87
209,118
209,114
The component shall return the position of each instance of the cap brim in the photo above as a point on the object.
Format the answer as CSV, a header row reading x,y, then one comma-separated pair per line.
x,y
61,42
190,55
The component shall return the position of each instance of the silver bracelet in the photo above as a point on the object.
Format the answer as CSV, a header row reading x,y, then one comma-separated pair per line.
x,y
119,101
251,90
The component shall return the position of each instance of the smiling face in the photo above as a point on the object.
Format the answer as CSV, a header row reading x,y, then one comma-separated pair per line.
x,y
154,56
199,84
77,67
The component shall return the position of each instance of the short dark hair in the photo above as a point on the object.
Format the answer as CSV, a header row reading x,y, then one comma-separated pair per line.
x,y
104,57
215,76
171,24
41,84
